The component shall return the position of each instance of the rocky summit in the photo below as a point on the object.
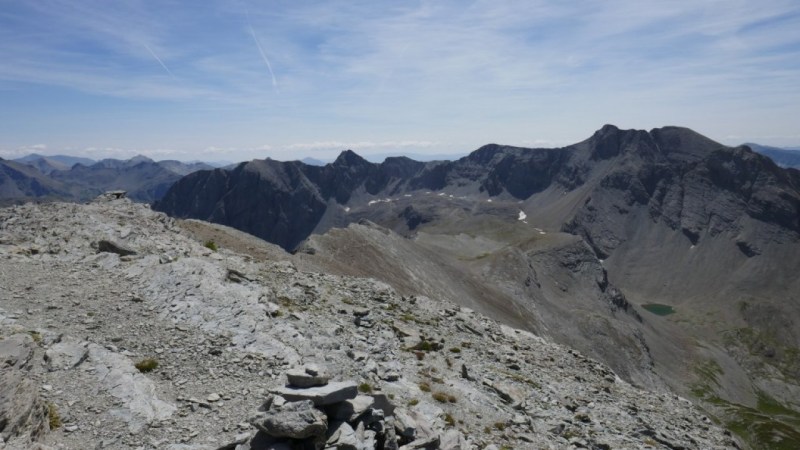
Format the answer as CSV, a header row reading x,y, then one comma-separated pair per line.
x,y
119,330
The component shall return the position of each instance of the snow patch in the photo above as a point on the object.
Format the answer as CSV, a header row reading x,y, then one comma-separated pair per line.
x,y
383,200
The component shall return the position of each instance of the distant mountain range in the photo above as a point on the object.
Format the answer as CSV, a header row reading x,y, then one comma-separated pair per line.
x,y
784,157
148,180
37,177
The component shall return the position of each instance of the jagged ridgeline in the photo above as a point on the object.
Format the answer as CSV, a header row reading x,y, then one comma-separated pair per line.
x,y
661,253
120,329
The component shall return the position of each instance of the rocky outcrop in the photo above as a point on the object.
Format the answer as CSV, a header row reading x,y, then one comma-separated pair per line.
x,y
24,416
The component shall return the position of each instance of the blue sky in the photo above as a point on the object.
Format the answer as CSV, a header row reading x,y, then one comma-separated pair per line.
x,y
236,80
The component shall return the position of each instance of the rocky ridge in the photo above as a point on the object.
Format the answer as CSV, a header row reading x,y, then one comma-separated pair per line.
x,y
157,341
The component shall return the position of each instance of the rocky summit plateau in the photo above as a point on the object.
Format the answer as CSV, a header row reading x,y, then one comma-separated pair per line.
x,y
120,329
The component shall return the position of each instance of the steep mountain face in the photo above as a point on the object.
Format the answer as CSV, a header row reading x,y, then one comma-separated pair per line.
x,y
183,168
579,243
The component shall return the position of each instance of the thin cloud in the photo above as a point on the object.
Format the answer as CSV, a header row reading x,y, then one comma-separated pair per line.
x,y
357,145
263,56
158,59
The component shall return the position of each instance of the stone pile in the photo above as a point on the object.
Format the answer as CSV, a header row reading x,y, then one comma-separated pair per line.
x,y
311,412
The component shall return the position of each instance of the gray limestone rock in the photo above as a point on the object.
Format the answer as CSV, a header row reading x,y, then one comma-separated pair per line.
x,y
296,420
390,434
404,424
23,414
16,351
341,436
452,439
66,354
309,375
350,410
329,394
122,380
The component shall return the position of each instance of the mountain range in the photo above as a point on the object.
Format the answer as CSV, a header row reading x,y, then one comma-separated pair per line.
x,y
36,177
668,256
784,157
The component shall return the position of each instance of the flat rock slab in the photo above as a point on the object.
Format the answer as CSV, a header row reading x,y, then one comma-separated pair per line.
x,y
307,376
321,395
298,420
350,410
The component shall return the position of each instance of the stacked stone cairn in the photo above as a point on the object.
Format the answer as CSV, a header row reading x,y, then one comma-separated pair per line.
x,y
313,413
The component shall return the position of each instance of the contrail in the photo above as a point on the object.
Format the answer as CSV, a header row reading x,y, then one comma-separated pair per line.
x,y
158,59
263,56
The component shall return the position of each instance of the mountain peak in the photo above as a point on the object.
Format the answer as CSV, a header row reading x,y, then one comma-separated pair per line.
x,y
350,158
139,159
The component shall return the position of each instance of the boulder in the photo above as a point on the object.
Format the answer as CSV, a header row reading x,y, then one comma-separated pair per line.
x,y
350,410
321,395
341,436
307,376
405,425
296,420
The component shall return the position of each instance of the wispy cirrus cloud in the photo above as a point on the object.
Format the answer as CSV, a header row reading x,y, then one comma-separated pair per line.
x,y
447,71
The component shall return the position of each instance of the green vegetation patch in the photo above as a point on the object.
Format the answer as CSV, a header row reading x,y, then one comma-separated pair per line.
x,y
147,365
770,425
659,309
53,418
